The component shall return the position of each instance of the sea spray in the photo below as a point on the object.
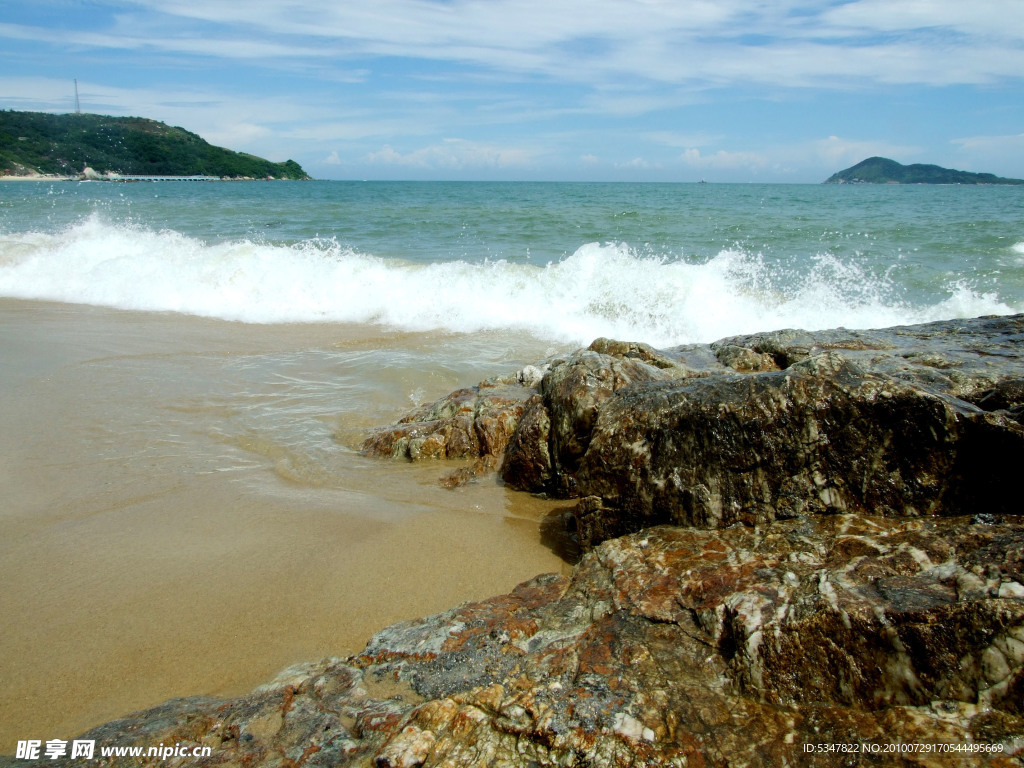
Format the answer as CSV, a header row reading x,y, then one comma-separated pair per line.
x,y
601,289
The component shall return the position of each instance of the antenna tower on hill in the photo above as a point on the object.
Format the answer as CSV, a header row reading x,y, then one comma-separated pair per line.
x,y
78,106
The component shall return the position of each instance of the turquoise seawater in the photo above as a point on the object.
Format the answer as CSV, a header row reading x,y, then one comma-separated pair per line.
x,y
666,263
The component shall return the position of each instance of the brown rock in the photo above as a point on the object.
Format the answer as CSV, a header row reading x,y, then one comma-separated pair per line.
x,y
527,464
575,390
470,423
671,647
822,436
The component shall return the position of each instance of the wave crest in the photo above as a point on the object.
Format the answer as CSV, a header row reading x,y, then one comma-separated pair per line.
x,y
600,290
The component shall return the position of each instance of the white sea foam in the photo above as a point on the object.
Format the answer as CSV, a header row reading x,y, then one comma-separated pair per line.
x,y
600,290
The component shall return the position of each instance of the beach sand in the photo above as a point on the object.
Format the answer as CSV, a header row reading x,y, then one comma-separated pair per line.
x,y
166,531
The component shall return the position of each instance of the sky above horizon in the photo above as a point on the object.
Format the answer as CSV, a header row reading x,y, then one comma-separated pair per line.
x,y
611,90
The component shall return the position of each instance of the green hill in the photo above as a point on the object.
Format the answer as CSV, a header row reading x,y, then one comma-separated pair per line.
x,y
38,142
881,170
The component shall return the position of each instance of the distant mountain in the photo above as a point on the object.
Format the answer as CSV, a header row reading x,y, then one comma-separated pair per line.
x,y
881,170
41,143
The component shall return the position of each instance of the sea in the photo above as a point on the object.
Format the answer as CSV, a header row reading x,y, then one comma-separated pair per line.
x,y
187,370
666,263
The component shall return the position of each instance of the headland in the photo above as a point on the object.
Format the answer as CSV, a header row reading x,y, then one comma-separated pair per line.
x,y
882,170
38,145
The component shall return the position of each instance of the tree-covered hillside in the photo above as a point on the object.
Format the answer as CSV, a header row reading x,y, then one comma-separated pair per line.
x,y
65,144
881,170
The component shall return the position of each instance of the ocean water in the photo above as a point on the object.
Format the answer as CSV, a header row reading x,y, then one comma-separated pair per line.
x,y
187,371
665,263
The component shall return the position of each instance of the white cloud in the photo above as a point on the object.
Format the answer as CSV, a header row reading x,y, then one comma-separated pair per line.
x,y
637,163
838,153
216,47
465,28
237,134
701,43
360,125
1002,155
332,159
455,154
388,156
1010,143
625,102
686,140
988,18
723,160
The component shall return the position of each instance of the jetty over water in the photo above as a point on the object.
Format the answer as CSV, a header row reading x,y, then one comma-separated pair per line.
x,y
166,178
88,174
119,177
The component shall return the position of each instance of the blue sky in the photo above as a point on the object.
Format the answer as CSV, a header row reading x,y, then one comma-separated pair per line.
x,y
645,90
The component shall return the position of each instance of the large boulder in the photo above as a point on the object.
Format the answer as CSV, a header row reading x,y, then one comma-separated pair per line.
x,y
918,420
469,423
914,420
820,437
476,423
572,394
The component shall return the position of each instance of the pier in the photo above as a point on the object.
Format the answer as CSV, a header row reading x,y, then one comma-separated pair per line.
x,y
154,178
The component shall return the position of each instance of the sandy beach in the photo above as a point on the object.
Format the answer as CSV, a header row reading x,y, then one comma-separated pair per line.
x,y
159,540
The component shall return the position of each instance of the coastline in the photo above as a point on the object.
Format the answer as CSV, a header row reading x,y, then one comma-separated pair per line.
x,y
177,564
707,638
39,177
127,179
162,463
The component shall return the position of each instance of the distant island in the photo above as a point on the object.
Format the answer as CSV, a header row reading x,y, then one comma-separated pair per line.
x,y
881,170
42,144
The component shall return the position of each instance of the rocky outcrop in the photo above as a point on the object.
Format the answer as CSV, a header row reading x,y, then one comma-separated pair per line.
x,y
469,423
821,437
914,421
918,420
827,641
475,423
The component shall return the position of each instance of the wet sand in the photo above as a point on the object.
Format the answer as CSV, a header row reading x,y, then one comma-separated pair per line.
x,y
184,514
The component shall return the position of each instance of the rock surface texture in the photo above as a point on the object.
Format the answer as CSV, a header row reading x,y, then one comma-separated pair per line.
x,y
799,550
917,420
674,646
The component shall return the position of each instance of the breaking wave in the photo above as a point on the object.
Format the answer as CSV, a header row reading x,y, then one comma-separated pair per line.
x,y
599,290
